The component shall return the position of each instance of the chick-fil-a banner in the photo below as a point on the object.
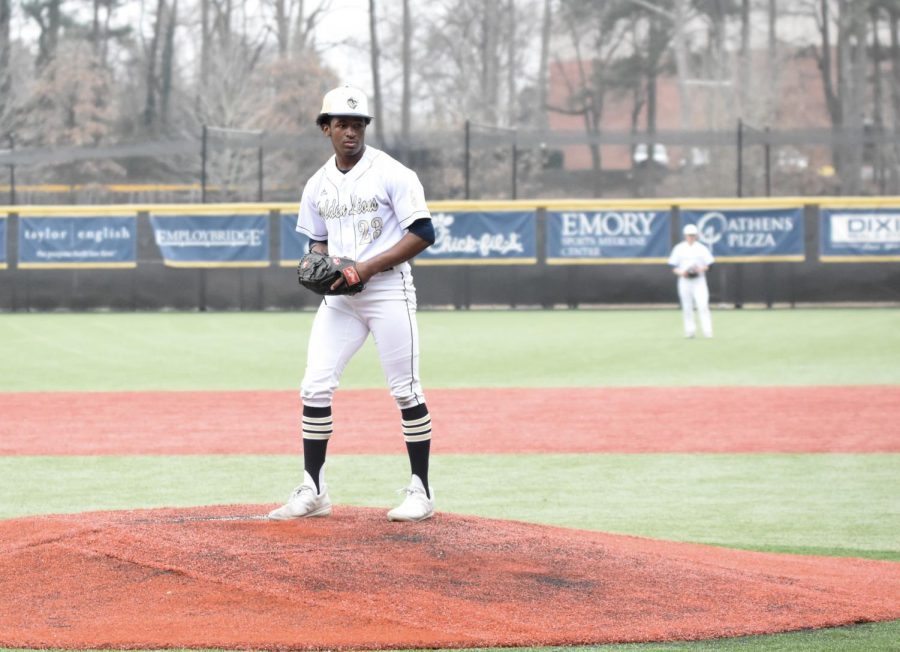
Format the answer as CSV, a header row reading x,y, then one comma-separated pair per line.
x,y
860,234
750,235
591,237
212,240
481,238
293,243
2,241
72,241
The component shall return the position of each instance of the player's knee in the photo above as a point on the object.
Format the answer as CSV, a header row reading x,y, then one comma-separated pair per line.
x,y
317,394
407,399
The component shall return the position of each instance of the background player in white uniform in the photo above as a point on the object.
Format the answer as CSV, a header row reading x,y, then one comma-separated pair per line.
x,y
364,205
690,259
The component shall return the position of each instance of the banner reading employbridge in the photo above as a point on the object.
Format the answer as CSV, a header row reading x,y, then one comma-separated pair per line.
x,y
65,241
750,236
212,240
624,235
481,238
860,235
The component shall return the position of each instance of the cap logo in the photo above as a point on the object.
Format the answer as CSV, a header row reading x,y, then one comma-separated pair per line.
x,y
352,103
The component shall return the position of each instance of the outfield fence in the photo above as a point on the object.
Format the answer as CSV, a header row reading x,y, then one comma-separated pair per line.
x,y
527,253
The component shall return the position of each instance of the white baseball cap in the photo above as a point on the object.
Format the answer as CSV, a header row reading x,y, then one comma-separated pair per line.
x,y
690,229
345,100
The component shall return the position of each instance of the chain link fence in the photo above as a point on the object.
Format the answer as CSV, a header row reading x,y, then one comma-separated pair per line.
x,y
473,162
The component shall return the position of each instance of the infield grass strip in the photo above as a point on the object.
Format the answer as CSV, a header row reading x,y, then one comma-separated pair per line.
x,y
858,638
181,351
829,504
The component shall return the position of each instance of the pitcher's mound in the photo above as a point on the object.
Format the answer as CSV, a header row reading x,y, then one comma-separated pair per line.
x,y
224,577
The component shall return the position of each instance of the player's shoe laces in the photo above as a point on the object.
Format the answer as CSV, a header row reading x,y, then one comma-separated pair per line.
x,y
417,506
304,502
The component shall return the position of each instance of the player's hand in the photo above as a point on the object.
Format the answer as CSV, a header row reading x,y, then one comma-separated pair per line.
x,y
365,273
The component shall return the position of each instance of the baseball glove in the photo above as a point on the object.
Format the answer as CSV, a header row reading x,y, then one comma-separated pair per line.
x,y
318,272
692,273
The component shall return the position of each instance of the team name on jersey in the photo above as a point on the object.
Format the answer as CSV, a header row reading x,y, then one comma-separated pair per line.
x,y
332,209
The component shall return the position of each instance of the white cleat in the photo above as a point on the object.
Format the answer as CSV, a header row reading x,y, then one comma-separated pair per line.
x,y
303,503
417,506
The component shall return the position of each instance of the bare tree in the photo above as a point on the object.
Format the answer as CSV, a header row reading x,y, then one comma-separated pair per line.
x,y
49,18
152,81
375,55
406,72
168,64
540,110
5,44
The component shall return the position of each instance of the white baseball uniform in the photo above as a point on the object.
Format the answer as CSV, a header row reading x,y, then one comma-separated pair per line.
x,y
361,214
693,293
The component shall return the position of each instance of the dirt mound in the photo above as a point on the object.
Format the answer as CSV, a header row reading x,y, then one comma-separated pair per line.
x,y
223,577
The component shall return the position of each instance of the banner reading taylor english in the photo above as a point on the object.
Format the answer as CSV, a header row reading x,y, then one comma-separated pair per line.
x,y
481,238
212,240
48,242
860,234
607,236
750,235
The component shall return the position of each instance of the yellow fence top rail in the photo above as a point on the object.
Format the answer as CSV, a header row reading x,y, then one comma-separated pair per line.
x,y
470,205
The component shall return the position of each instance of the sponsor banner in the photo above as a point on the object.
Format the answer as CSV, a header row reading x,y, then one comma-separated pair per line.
x,y
600,237
2,241
482,238
293,244
750,235
860,235
68,241
212,240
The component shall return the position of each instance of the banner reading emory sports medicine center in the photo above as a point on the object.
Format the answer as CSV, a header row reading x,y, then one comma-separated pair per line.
x,y
752,236
212,240
859,235
48,242
481,238
579,237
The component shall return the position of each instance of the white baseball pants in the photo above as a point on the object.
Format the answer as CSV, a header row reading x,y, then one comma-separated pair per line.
x,y
387,310
693,293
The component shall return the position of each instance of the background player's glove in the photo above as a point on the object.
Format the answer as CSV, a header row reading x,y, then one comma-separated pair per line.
x,y
692,272
318,272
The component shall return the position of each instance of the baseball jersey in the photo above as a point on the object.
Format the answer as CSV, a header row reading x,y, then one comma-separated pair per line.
x,y
365,211
684,256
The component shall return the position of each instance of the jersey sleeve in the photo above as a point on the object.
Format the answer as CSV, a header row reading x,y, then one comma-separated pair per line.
x,y
675,256
408,197
708,258
309,222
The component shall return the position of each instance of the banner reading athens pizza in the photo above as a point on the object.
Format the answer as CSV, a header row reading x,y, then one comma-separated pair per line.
x,y
481,238
750,235
212,240
579,237
860,235
65,241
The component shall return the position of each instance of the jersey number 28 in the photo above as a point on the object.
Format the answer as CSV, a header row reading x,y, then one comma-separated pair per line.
x,y
367,231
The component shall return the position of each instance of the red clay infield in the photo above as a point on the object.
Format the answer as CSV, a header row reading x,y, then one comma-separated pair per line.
x,y
224,577
581,420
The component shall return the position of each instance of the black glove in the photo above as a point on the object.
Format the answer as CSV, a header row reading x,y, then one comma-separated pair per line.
x,y
318,272
692,273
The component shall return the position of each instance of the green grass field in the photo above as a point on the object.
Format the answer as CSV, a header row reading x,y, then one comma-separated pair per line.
x,y
831,504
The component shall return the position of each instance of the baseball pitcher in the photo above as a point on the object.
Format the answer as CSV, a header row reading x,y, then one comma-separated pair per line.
x,y
366,217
